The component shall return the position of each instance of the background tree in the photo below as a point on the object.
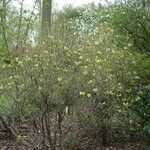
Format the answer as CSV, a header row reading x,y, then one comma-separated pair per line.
x,y
46,17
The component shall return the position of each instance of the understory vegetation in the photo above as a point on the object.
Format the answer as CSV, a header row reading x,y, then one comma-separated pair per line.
x,y
75,79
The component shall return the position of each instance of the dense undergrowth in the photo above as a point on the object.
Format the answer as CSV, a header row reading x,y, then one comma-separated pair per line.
x,y
86,86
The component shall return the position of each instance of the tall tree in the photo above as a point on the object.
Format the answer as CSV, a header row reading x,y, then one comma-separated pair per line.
x,y
3,24
46,17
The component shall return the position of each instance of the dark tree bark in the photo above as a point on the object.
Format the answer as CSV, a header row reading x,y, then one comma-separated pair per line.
x,y
46,17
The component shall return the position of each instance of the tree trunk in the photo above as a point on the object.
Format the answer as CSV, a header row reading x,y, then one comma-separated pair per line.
x,y
46,17
60,129
3,19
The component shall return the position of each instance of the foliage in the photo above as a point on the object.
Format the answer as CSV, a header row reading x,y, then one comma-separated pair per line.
x,y
87,83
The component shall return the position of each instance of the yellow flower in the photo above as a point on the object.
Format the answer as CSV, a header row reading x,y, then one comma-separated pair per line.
x,y
140,92
36,65
130,44
88,95
78,63
17,58
28,58
119,110
104,103
85,72
82,93
95,90
59,79
99,52
40,88
1,87
81,57
20,62
85,67
98,61
10,77
91,81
